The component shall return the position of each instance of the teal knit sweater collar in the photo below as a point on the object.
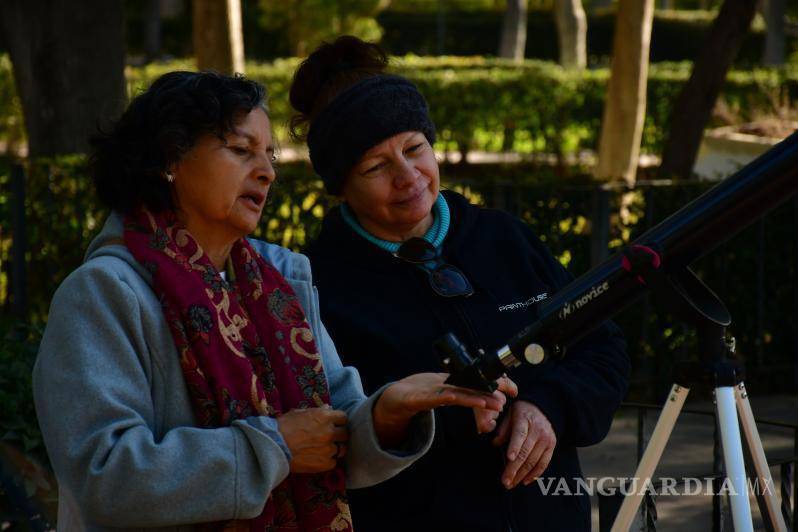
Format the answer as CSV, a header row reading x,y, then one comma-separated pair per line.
x,y
434,235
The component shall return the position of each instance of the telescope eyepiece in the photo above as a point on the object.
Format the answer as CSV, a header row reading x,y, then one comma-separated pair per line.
x,y
478,372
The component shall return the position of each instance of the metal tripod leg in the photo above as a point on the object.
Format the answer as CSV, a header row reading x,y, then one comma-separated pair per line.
x,y
733,458
765,480
651,457
728,399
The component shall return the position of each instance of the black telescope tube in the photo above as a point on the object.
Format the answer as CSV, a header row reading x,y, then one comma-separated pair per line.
x,y
723,211
691,232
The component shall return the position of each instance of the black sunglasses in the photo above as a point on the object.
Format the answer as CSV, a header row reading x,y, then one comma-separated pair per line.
x,y
445,279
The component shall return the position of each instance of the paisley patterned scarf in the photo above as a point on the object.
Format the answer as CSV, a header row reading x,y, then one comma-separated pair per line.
x,y
246,349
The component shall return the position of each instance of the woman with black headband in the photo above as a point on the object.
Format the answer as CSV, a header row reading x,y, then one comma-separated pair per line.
x,y
398,264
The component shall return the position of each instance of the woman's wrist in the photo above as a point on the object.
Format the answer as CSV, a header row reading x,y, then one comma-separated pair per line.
x,y
390,423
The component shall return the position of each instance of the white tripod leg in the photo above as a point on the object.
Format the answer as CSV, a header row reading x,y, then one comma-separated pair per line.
x,y
765,480
662,431
733,458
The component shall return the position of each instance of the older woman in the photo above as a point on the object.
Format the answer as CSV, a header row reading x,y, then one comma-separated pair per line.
x,y
399,264
185,376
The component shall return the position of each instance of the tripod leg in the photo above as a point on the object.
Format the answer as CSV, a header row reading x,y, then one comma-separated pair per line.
x,y
733,457
765,480
647,465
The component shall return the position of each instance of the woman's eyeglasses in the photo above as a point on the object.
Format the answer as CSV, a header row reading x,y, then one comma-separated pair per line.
x,y
445,279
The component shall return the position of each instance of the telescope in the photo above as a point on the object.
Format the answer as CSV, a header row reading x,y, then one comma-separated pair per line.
x,y
658,262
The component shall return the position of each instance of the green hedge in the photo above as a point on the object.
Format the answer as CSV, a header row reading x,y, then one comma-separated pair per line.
x,y
11,124
18,426
474,101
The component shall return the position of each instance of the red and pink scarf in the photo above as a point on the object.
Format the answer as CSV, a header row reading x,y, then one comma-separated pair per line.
x,y
246,349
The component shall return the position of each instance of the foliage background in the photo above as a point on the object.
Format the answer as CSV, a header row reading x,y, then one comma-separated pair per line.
x,y
470,27
477,103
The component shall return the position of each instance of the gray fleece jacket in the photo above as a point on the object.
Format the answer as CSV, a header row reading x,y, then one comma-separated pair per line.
x,y
118,422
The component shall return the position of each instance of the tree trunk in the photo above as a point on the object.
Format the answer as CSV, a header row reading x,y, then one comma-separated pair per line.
x,y
218,38
69,63
625,110
571,32
513,37
440,29
152,30
694,106
172,8
775,12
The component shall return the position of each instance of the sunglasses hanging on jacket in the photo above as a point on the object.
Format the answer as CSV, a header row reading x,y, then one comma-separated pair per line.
x,y
446,280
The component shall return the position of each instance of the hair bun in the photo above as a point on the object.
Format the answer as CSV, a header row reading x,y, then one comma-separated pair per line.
x,y
331,68
350,53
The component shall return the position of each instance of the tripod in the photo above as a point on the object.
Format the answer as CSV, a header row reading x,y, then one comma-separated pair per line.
x,y
699,306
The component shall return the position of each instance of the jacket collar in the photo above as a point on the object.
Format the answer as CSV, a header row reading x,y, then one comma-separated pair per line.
x,y
337,239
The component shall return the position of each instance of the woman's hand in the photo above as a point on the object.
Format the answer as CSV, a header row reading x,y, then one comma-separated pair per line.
x,y
403,399
532,443
316,438
486,419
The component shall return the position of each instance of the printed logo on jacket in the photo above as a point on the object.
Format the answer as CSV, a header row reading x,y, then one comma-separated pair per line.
x,y
524,304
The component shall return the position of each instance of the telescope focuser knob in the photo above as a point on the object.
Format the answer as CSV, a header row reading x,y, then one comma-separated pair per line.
x,y
534,354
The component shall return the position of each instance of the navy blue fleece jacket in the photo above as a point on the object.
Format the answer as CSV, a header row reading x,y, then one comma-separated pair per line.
x,y
384,318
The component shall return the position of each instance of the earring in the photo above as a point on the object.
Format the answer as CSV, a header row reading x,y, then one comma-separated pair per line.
x,y
170,177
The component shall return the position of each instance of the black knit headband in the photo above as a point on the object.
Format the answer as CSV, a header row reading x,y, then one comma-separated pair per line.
x,y
361,117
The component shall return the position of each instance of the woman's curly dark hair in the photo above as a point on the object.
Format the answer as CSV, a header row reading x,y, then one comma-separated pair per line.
x,y
128,162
